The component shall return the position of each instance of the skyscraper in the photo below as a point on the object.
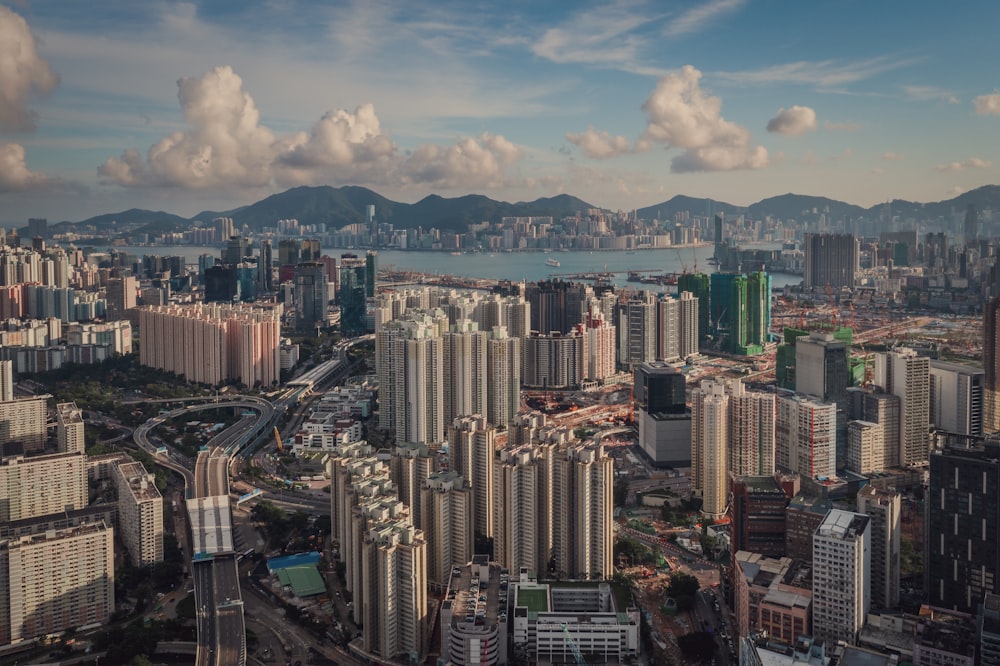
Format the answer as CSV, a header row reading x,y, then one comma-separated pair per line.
x,y
907,375
971,224
637,327
265,262
447,516
709,446
991,365
698,285
956,392
751,447
503,356
882,507
465,370
821,367
841,576
140,514
830,260
472,447
741,311
312,295
662,415
806,436
352,295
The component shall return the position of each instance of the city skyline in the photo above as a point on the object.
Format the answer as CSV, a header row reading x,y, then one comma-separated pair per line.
x,y
187,106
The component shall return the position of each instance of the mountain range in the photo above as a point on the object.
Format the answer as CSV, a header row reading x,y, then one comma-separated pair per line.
x,y
339,206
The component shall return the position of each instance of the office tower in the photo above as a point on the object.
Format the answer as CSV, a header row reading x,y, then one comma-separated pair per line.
x,y
600,344
806,437
971,224
121,297
719,237
831,260
289,252
237,248
466,371
38,227
662,416
24,420
61,579
312,295
637,340
757,514
222,284
962,541
991,364
553,361
371,273
690,318
555,306
907,375
882,507
41,485
503,357
709,446
394,596
698,285
821,367
988,630
410,466
865,447
751,432
472,448
352,295
841,562
6,381
659,388
668,329
140,514
587,475
265,264
69,428
211,344
956,393
447,514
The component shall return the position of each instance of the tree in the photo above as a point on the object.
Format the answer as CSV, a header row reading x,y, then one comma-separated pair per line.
x,y
683,588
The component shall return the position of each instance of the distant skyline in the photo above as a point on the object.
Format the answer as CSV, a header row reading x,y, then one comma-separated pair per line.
x,y
186,106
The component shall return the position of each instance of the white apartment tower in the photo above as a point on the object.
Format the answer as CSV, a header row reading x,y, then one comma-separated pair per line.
x,y
669,329
883,508
841,559
69,428
865,447
688,324
42,485
409,356
907,375
466,374
503,354
806,437
751,449
637,341
472,448
586,475
140,514
447,513
599,344
710,445
518,488
411,465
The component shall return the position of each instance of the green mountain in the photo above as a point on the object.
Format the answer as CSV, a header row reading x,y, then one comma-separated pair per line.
x,y
680,203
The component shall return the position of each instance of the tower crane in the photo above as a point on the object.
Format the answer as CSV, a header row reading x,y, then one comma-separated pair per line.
x,y
573,646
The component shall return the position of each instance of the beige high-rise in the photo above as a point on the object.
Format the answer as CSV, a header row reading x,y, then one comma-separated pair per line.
x,y
140,514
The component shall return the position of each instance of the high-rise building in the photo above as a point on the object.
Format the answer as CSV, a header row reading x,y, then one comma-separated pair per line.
x,y
988,630
962,541
519,497
956,392
553,361
371,273
698,285
883,508
411,464
637,339
991,365
472,448
587,473
41,485
69,428
237,249
24,420
352,295
821,367
668,329
140,514
447,516
710,418
409,359
6,381
802,516
907,375
54,581
503,356
121,297
865,447
312,295
883,409
690,318
555,305
466,371
831,260
971,228
265,264
741,311
806,437
841,562
752,423
757,514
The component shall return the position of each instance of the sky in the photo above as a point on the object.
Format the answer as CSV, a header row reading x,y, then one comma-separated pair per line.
x,y
188,106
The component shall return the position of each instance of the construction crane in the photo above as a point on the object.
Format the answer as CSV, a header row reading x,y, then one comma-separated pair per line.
x,y
277,438
573,646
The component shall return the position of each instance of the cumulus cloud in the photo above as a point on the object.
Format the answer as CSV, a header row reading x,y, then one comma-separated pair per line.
x,y
793,121
681,115
226,145
15,176
988,105
971,163
598,144
890,156
23,73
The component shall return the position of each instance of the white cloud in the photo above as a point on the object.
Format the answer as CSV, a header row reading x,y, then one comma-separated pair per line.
x,y
988,105
696,18
793,121
23,73
15,176
890,156
225,145
841,126
929,93
598,144
823,73
971,163
681,115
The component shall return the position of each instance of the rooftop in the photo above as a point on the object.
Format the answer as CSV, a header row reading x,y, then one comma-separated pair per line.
x,y
536,600
843,525
304,580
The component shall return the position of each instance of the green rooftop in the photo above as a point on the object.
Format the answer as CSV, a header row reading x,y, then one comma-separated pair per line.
x,y
304,580
535,600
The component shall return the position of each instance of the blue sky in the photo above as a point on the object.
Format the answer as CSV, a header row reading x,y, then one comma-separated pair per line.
x,y
190,106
